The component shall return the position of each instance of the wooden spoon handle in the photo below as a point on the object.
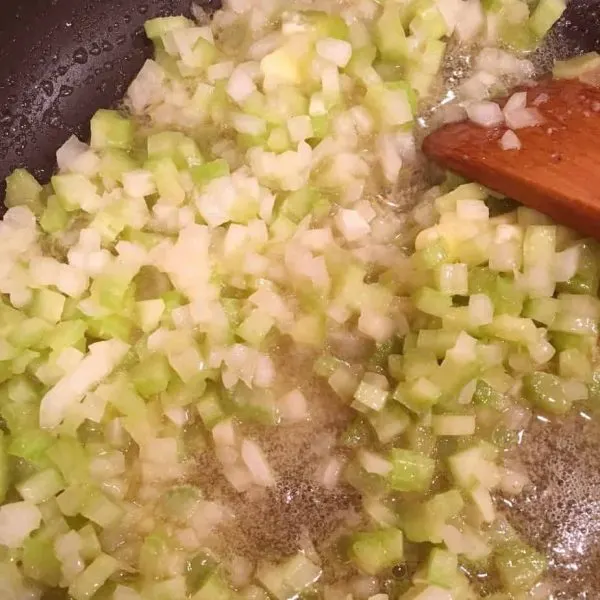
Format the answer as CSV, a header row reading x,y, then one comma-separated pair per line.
x,y
557,169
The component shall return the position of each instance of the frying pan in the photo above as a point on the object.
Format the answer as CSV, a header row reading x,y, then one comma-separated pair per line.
x,y
61,60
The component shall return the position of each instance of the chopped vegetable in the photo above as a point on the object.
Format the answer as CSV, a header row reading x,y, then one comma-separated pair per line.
x,y
218,290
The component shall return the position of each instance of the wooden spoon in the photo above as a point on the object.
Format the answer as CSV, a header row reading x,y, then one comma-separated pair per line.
x,y
557,168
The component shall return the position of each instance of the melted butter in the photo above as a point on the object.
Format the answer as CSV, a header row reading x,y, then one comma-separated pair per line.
x,y
559,513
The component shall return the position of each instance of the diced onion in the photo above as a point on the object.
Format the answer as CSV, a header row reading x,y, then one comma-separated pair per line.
x,y
510,140
486,114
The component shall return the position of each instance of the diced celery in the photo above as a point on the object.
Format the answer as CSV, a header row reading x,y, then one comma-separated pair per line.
x,y
471,466
202,174
411,471
519,566
452,279
374,551
432,302
547,392
466,191
90,544
587,277
69,456
419,363
149,313
111,130
299,203
438,341
389,33
453,425
174,145
542,310
423,72
179,503
151,376
30,444
428,23
423,522
574,364
114,164
432,255
358,432
419,396
506,296
74,191
155,28
210,409
255,327
391,104
100,510
513,329
154,552
576,66
442,568
539,247
546,13
93,578
67,334
167,181
288,579
328,25
48,305
309,330
485,394
41,486
389,423
54,217
368,396
32,333
22,189
40,562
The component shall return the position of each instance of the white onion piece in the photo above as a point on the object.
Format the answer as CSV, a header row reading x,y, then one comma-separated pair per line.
x,y
351,224
240,571
566,263
364,586
513,482
374,463
469,21
257,464
329,474
523,117
510,141
486,114
292,406
336,51
451,113
223,433
239,477
17,521
517,101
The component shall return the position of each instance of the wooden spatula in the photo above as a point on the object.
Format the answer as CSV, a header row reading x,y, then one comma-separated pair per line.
x,y
557,168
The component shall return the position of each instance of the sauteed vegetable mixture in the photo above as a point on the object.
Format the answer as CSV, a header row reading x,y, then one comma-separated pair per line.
x,y
252,348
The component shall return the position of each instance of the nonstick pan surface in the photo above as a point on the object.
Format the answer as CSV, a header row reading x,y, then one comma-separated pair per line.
x,y
61,60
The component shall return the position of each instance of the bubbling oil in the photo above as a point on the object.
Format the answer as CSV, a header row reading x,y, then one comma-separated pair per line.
x,y
559,512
